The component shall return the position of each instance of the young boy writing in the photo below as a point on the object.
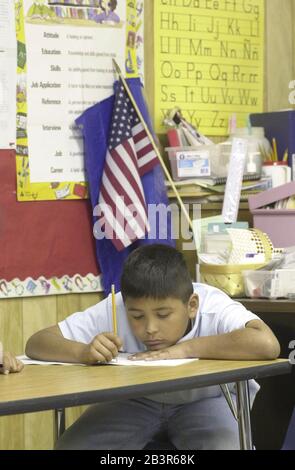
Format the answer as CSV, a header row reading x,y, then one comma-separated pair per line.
x,y
160,314
9,363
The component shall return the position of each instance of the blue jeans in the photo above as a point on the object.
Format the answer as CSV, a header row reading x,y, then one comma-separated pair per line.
x,y
131,424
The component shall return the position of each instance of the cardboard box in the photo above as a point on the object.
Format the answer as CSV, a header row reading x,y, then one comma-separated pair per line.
x,y
278,224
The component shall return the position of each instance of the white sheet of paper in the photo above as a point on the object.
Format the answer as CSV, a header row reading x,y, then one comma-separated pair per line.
x,y
121,360
30,362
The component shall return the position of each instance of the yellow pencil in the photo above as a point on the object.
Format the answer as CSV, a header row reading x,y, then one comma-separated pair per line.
x,y
114,310
275,149
286,154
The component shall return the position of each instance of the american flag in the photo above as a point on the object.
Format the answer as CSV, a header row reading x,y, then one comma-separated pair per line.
x,y
129,156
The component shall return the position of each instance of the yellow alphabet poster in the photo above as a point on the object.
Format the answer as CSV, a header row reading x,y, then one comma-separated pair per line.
x,y
209,61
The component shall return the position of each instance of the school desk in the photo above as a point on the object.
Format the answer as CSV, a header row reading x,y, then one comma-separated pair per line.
x,y
40,388
277,393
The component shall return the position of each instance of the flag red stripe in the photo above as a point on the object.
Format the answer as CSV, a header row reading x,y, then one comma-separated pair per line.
x,y
122,192
114,209
109,231
149,166
142,152
140,136
131,233
127,198
111,202
115,152
128,175
132,153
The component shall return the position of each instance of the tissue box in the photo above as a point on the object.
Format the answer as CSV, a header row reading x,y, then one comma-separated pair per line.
x,y
278,224
189,162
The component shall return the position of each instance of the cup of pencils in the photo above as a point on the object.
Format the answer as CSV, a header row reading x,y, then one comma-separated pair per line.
x,y
278,170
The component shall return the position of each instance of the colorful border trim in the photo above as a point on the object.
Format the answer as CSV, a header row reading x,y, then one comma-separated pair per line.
x,y
30,287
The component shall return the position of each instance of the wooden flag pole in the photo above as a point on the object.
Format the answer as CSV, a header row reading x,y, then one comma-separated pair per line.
x,y
183,208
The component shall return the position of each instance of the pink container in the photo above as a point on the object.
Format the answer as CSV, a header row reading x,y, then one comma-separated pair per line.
x,y
278,224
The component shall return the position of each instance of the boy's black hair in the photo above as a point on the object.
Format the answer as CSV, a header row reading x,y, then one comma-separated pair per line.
x,y
158,272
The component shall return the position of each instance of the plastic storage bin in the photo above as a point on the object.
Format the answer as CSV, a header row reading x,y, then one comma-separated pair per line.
x,y
279,283
190,162
279,224
228,278
256,142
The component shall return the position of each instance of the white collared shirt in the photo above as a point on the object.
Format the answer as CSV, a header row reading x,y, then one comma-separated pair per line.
x,y
217,314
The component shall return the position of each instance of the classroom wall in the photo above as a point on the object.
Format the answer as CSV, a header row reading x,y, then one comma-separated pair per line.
x,y
21,318
280,53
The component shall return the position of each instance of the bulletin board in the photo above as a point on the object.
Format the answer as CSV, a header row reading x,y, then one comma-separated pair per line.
x,y
46,248
64,66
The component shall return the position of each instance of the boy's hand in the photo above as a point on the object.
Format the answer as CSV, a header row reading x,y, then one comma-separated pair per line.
x,y
178,351
10,364
103,348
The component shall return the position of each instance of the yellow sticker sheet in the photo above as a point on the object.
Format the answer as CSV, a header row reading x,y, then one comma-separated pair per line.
x,y
209,61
